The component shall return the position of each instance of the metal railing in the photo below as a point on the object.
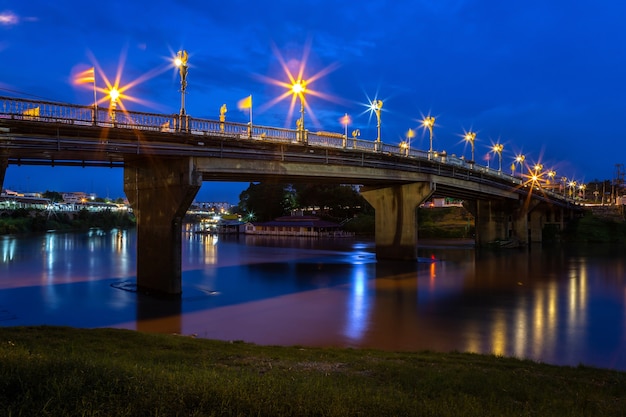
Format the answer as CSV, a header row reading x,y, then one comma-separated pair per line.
x,y
51,112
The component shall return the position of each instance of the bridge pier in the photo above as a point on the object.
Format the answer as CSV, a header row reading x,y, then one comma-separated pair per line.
x,y
396,218
160,190
501,220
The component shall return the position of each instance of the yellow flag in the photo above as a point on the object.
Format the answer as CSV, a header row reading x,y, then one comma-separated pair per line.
x,y
245,103
85,77
31,112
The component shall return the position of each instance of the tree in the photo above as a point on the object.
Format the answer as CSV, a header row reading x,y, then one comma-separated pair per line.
x,y
267,200
334,200
53,196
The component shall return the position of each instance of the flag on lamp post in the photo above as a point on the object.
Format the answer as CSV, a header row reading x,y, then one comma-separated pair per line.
x,y
246,104
86,77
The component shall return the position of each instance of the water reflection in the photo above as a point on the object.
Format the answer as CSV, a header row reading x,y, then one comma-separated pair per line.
x,y
563,306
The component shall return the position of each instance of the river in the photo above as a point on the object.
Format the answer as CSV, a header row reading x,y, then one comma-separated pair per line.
x,y
559,305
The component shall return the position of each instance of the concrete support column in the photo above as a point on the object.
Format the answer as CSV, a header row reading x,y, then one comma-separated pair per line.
x,y
491,222
536,221
160,190
396,218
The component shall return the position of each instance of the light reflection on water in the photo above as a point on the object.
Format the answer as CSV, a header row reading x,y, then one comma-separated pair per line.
x,y
562,306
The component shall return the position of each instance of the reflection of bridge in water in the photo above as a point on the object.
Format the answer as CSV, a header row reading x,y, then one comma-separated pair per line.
x,y
166,157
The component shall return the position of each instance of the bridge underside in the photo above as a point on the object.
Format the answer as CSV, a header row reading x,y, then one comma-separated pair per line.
x,y
164,171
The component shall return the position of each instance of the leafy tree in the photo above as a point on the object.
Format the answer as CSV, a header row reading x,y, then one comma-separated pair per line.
x,y
53,196
334,200
267,200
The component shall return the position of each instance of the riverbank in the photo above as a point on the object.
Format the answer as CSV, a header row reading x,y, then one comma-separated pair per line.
x,y
33,221
72,372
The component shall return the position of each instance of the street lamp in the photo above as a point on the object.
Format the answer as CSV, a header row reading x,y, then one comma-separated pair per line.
x,y
114,95
181,63
428,122
497,148
551,175
298,88
519,159
471,137
345,121
572,186
406,145
376,106
564,182
582,187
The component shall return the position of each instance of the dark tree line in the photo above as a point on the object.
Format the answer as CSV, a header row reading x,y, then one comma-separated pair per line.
x,y
265,201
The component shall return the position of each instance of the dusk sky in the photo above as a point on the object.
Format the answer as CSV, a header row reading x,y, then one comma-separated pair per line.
x,y
543,77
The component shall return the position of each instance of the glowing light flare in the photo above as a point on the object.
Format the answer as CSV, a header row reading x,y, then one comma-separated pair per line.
x,y
299,87
110,85
181,59
114,94
428,122
296,82
470,137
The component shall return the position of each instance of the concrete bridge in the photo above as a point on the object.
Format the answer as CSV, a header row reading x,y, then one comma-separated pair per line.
x,y
167,157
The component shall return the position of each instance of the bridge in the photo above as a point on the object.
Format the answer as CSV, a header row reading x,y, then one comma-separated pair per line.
x,y
167,157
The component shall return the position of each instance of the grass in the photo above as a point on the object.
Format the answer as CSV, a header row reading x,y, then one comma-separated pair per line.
x,y
52,371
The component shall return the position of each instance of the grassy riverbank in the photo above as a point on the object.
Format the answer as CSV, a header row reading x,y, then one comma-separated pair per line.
x,y
48,371
29,221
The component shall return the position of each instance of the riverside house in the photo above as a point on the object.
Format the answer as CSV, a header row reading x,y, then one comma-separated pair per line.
x,y
306,226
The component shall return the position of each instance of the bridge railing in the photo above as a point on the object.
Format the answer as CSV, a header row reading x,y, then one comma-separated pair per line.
x,y
46,111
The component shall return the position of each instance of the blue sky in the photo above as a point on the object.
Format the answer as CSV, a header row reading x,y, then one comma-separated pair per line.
x,y
544,78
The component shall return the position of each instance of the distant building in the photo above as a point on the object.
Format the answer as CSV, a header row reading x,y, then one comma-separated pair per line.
x,y
218,207
77,197
295,226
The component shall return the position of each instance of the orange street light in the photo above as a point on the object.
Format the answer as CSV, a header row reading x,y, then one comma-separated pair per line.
x,y
471,137
114,95
345,121
497,148
376,107
428,122
181,63
298,88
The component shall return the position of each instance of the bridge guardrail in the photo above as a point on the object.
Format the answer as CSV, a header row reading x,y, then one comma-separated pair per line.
x,y
46,111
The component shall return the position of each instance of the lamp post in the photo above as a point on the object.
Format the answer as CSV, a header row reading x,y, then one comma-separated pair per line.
x,y
564,182
551,175
471,137
181,63
377,105
114,95
582,188
497,148
345,121
572,186
519,159
298,88
428,122
407,144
